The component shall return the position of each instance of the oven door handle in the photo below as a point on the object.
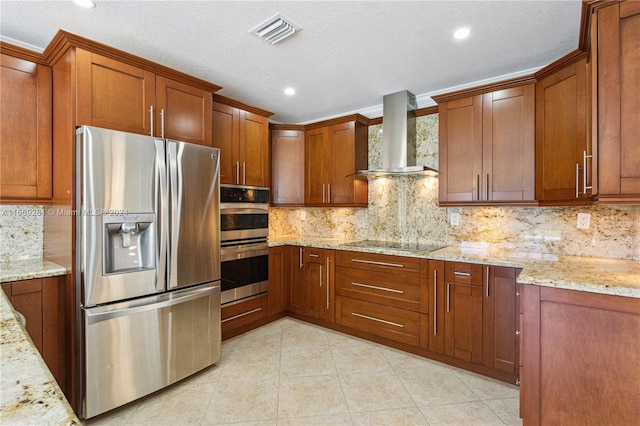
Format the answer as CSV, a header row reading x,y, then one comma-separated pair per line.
x,y
249,209
227,254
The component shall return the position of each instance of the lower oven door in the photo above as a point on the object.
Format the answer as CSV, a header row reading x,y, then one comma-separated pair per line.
x,y
245,271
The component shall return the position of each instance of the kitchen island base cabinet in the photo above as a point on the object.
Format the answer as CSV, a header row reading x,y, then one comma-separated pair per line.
x,y
41,302
580,358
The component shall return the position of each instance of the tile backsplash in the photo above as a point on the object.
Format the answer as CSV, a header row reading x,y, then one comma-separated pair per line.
x,y
21,232
406,209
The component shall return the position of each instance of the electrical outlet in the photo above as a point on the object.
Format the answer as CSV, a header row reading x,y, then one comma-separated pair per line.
x,y
454,219
303,215
584,221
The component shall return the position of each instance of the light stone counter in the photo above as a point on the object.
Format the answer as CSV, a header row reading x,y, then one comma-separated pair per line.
x,y
30,395
595,275
16,270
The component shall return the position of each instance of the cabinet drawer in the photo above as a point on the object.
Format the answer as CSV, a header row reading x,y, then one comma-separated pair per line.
x,y
313,255
379,262
463,273
379,287
385,321
243,313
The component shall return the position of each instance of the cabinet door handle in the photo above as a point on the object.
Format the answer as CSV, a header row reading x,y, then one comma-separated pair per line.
x,y
327,283
162,123
577,180
461,274
323,196
301,264
320,275
487,281
392,290
372,262
395,324
448,298
244,314
487,187
328,193
314,255
435,301
237,172
477,187
151,120
584,171
244,173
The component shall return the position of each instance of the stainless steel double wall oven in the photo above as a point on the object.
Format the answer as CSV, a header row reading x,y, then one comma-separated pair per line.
x,y
244,229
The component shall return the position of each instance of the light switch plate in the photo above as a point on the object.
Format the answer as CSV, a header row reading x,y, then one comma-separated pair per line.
x,y
584,221
454,219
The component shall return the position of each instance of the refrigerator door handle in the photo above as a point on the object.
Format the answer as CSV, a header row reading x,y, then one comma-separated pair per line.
x,y
96,315
175,209
162,214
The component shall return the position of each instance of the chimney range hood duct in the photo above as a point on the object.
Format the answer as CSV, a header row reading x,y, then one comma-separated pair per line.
x,y
399,138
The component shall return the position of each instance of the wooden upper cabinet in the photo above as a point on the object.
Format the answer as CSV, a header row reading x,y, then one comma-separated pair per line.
x,y
618,56
112,94
315,148
243,139
287,166
254,149
487,147
225,137
25,134
185,112
332,153
460,149
563,148
508,144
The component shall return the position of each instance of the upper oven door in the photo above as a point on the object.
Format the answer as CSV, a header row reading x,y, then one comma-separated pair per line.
x,y
239,221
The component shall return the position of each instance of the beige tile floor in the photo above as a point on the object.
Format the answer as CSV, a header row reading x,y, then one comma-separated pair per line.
x,y
293,373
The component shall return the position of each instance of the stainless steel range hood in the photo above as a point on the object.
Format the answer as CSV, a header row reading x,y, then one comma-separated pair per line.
x,y
399,138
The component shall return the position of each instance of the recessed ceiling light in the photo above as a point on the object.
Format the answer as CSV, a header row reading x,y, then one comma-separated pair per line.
x,y
88,4
290,91
462,33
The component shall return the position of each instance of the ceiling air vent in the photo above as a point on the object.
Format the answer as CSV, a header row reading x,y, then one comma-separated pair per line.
x,y
275,29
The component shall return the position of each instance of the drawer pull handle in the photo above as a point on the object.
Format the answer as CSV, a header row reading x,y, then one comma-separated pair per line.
x,y
392,290
462,274
395,324
241,315
314,255
371,262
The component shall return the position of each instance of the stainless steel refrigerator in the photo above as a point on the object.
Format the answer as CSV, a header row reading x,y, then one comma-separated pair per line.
x,y
148,256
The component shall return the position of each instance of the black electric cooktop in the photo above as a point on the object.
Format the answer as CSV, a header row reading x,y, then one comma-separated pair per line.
x,y
421,247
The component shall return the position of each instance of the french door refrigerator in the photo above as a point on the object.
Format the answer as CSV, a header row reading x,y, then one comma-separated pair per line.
x,y
148,256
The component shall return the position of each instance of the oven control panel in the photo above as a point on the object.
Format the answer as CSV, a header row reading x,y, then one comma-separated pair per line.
x,y
243,194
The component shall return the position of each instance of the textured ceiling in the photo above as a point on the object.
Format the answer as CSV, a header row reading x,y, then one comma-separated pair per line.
x,y
348,55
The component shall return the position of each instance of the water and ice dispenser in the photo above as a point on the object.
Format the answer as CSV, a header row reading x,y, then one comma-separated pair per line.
x,y
129,242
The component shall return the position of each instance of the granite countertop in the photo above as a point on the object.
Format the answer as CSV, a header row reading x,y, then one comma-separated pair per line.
x,y
616,277
17,270
30,394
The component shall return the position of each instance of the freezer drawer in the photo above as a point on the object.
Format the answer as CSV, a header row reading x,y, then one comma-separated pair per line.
x,y
135,348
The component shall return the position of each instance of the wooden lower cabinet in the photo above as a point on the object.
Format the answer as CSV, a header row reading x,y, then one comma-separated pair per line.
x,y
240,317
392,323
278,280
463,311
296,289
41,302
319,286
580,358
500,319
